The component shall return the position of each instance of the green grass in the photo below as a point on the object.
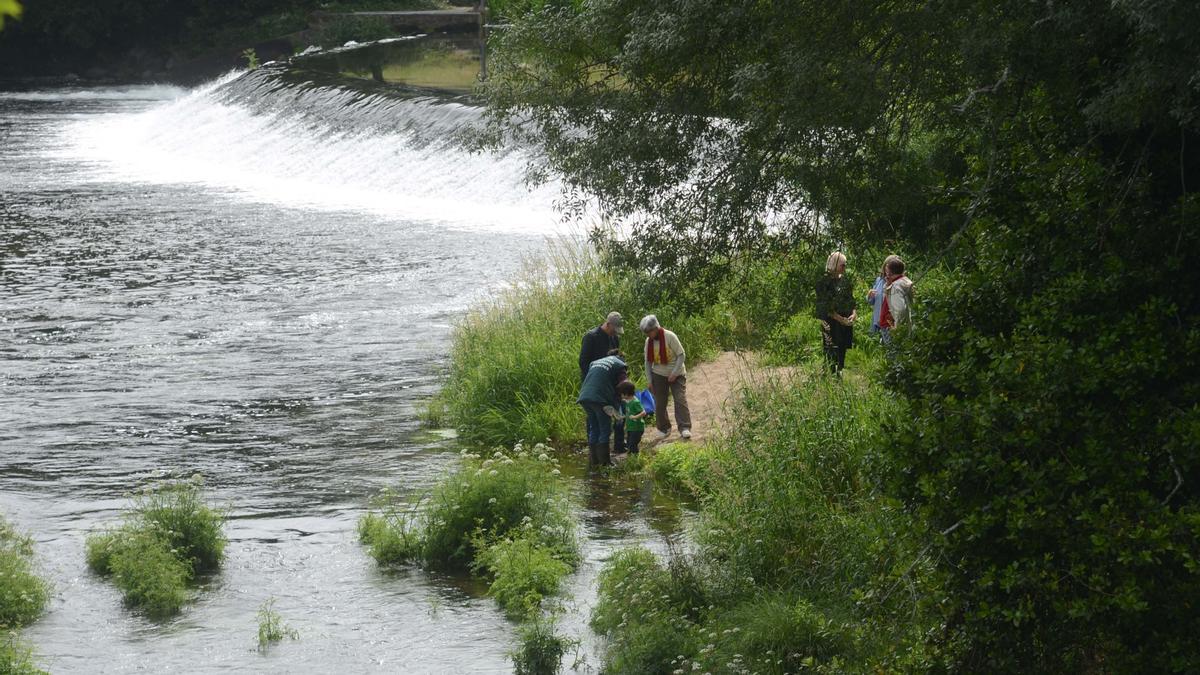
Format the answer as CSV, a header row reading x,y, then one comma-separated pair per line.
x,y
23,594
16,657
541,649
801,562
513,371
169,535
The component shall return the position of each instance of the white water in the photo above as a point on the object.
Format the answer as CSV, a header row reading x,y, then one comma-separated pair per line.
x,y
316,148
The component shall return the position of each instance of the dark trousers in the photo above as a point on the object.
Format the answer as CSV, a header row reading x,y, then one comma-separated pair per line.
x,y
618,436
634,440
837,339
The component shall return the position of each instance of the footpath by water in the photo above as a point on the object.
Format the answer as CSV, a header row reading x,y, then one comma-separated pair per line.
x,y
255,281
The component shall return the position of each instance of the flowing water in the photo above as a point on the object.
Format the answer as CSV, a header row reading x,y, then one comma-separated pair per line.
x,y
254,281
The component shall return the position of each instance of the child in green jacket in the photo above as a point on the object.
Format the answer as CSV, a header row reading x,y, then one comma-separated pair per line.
x,y
635,416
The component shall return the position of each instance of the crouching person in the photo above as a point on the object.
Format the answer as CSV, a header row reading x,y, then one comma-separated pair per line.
x,y
598,397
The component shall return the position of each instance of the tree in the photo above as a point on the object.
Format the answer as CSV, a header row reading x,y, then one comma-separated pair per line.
x,y
1046,152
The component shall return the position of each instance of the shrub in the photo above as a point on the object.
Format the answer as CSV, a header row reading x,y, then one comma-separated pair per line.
x,y
16,657
149,573
507,516
271,628
523,573
169,535
541,650
23,595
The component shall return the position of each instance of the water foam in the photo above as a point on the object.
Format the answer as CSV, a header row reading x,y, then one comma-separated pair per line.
x,y
258,137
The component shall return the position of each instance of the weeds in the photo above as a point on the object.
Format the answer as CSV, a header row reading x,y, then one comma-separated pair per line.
x,y
541,650
271,628
16,657
798,553
169,535
506,517
523,573
23,595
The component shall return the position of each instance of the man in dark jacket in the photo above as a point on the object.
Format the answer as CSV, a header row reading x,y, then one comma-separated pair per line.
x,y
598,397
598,343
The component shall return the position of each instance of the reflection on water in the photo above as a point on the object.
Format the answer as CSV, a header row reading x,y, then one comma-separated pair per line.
x,y
190,286
445,62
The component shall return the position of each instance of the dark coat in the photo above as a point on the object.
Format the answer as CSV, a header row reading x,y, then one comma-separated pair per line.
x,y
596,345
600,383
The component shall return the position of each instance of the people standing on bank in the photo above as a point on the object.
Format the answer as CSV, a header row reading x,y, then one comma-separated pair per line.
x,y
835,307
635,415
897,299
667,376
597,343
875,295
598,397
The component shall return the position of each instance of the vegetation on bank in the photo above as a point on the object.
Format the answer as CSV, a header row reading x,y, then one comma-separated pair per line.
x,y
513,370
23,598
506,517
169,536
1047,428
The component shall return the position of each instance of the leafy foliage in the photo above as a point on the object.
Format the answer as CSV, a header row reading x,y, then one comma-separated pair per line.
x,y
169,536
23,594
16,657
1044,154
271,628
506,517
541,649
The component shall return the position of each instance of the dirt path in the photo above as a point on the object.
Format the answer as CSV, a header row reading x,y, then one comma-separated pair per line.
x,y
710,388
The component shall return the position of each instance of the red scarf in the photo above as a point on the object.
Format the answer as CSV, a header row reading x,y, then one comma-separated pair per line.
x,y
661,336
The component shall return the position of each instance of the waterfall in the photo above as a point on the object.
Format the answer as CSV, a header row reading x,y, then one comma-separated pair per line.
x,y
273,135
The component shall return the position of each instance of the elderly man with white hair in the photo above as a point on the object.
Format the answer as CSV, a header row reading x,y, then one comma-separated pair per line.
x,y
667,376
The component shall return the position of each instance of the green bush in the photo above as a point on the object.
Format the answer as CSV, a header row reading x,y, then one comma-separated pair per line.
x,y
507,516
169,536
23,595
541,649
148,572
16,657
523,573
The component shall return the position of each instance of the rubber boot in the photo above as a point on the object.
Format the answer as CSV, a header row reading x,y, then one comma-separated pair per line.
x,y
593,454
604,459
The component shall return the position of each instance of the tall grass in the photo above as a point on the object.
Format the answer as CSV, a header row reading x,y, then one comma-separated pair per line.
x,y
16,657
168,536
513,371
801,561
23,594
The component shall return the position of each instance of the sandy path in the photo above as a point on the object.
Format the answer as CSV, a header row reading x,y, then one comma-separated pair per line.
x,y
710,388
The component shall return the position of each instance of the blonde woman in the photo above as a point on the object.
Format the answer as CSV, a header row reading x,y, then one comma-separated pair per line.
x,y
835,307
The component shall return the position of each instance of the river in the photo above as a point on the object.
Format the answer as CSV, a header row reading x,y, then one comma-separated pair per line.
x,y
254,281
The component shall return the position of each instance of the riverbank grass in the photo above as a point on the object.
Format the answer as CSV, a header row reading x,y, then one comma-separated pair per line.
x,y
800,561
169,535
505,517
23,594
